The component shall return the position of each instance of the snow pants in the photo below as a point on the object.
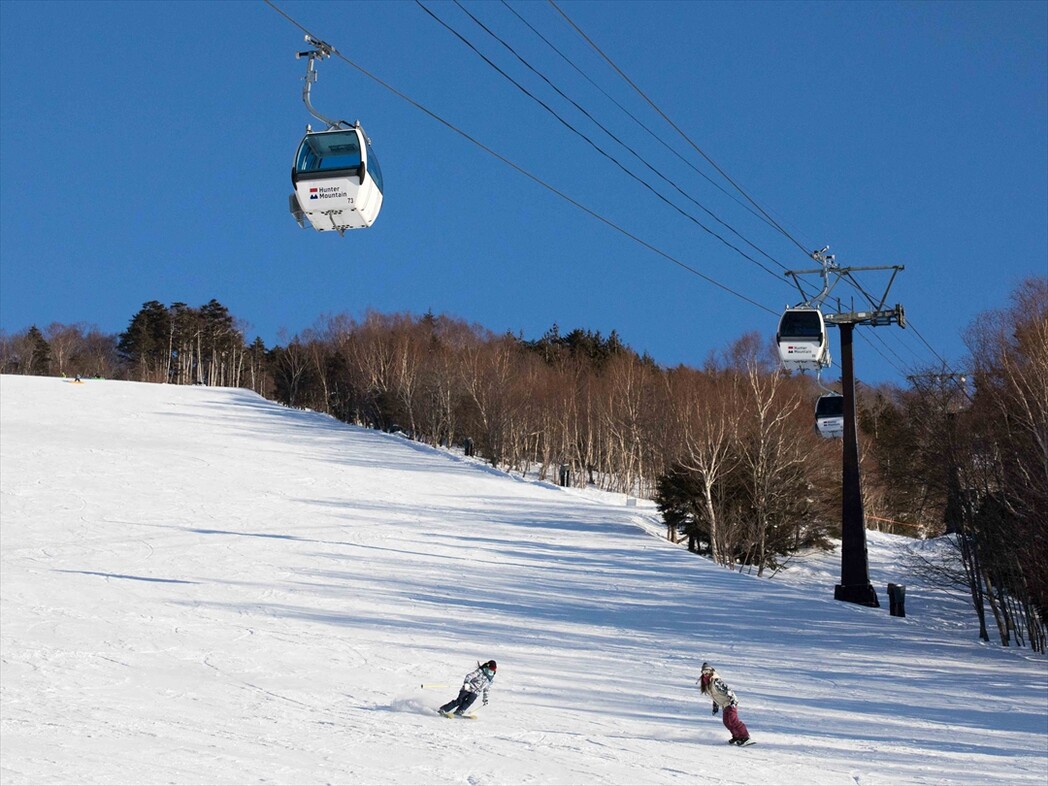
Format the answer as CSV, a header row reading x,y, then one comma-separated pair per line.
x,y
460,704
733,724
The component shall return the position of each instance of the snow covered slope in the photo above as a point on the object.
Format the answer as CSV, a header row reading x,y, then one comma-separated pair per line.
x,y
199,586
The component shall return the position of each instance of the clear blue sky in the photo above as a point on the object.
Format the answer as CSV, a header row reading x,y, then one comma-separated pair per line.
x,y
146,151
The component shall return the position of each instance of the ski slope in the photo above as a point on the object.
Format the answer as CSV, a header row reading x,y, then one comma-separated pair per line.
x,y
198,586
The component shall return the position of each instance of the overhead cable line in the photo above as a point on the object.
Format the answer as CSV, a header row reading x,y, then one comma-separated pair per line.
x,y
619,71
884,357
611,134
876,334
710,160
714,164
855,284
902,343
595,146
930,347
637,120
903,367
946,365
606,221
850,281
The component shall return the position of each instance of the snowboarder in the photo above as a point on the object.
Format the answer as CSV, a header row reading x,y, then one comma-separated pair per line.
x,y
477,681
723,697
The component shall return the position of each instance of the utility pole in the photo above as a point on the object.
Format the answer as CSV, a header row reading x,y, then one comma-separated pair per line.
x,y
855,586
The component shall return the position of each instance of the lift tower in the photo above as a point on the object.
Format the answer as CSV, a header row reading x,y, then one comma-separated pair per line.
x,y
855,586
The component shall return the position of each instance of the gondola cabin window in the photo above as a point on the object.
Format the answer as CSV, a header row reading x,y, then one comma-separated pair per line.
x,y
801,324
329,152
373,168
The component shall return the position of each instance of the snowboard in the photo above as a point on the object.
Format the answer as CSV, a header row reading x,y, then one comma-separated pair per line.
x,y
741,744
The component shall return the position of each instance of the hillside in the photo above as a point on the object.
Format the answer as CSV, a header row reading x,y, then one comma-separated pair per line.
x,y
200,586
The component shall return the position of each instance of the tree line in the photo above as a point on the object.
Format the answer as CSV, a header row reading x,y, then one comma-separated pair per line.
x,y
728,451
971,452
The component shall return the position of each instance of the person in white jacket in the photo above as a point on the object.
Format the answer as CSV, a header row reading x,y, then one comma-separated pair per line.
x,y
724,699
477,682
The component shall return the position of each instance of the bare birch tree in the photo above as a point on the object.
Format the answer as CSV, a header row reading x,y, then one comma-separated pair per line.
x,y
706,415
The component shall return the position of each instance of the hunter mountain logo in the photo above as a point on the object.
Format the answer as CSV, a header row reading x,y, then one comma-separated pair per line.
x,y
328,192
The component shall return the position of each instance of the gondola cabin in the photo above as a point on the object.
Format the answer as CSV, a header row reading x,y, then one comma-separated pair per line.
x,y
829,416
337,180
802,340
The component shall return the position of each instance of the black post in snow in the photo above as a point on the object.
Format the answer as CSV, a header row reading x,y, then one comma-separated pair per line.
x,y
855,586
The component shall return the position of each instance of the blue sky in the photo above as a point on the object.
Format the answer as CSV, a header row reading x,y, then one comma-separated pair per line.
x,y
146,152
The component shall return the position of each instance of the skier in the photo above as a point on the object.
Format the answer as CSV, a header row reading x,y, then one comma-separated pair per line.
x,y
723,697
477,681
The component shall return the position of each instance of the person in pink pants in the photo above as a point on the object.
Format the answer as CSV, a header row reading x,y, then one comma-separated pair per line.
x,y
724,699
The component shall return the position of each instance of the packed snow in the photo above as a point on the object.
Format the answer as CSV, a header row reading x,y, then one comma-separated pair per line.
x,y
198,586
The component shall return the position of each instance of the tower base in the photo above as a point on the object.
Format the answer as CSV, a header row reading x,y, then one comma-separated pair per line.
x,y
863,594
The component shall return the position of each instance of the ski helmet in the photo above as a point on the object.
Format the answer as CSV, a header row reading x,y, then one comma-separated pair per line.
x,y
491,665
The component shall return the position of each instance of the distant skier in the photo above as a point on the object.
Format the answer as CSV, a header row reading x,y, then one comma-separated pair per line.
x,y
476,682
723,697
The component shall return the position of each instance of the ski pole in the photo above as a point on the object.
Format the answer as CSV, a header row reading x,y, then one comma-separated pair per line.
x,y
433,685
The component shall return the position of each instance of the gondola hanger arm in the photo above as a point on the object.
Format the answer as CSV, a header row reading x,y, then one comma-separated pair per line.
x,y
319,52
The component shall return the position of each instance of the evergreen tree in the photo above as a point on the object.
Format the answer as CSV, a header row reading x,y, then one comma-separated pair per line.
x,y
678,497
39,353
146,344
219,343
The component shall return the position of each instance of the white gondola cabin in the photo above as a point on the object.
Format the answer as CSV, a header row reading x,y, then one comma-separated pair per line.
x,y
829,416
337,180
802,340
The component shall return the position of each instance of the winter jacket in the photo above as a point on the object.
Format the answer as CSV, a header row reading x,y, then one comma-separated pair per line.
x,y
478,681
722,695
